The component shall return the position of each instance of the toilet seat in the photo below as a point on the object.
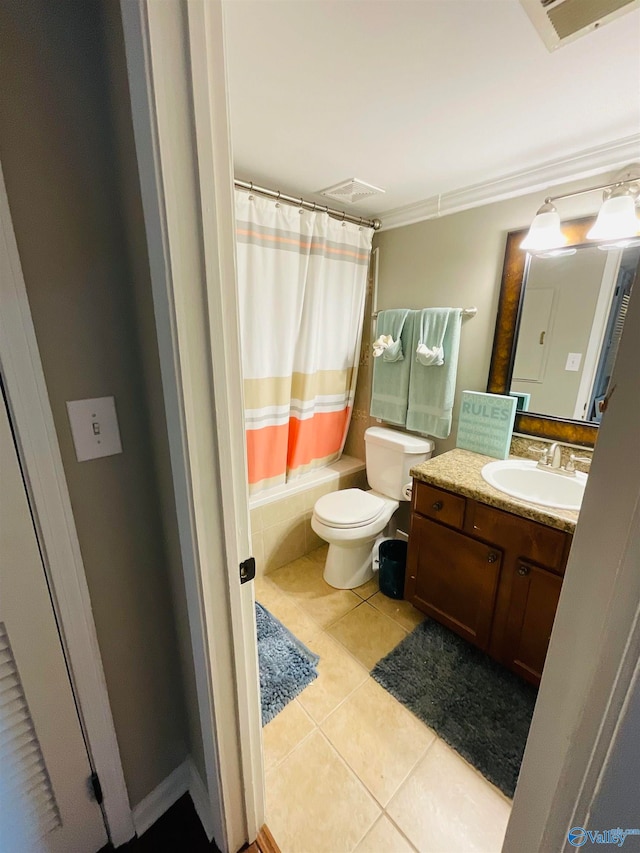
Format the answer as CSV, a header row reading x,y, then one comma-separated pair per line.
x,y
348,508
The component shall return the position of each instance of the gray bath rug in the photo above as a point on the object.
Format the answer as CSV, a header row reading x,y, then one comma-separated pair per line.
x,y
479,708
286,665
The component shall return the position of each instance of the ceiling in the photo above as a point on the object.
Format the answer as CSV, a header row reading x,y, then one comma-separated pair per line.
x,y
420,98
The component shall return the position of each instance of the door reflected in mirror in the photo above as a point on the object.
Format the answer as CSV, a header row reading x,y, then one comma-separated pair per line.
x,y
571,320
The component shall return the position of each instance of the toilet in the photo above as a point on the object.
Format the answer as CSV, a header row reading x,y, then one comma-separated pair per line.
x,y
351,520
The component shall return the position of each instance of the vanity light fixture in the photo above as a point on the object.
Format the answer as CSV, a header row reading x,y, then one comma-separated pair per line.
x,y
617,225
545,233
617,218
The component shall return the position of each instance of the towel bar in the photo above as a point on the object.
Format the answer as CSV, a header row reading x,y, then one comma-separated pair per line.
x,y
466,312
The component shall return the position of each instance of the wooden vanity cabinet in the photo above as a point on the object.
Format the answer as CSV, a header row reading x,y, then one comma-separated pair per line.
x,y
489,575
525,640
453,578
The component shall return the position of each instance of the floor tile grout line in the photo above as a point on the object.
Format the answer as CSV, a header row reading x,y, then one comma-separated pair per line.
x,y
362,785
314,726
362,663
342,701
362,600
412,767
400,831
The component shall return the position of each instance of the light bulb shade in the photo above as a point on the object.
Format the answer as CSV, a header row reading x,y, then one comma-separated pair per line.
x,y
545,233
617,219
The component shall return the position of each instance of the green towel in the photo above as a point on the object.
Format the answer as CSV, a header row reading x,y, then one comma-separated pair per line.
x,y
432,388
391,378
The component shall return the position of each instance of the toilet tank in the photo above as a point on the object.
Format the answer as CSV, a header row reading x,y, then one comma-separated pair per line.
x,y
389,456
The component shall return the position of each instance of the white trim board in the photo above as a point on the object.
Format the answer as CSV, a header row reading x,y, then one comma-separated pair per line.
x,y
163,796
175,60
184,779
200,799
584,164
217,213
49,497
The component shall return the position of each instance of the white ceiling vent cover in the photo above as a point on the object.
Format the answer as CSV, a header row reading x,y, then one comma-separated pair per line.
x,y
351,191
561,21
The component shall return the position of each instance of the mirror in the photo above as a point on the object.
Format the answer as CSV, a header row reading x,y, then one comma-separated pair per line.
x,y
559,323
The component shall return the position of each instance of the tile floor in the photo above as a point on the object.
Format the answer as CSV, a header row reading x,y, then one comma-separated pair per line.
x,y
348,768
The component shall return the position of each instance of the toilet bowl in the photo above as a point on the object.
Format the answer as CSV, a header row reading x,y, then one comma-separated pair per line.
x,y
350,521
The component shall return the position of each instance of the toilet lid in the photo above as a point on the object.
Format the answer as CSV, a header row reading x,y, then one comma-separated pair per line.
x,y
348,508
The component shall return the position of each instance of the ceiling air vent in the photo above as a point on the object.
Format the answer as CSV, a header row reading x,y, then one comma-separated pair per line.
x,y
562,21
350,191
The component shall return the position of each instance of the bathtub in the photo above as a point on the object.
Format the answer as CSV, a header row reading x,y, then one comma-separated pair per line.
x,y
281,517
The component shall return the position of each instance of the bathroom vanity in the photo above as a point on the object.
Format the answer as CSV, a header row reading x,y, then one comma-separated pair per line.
x,y
486,565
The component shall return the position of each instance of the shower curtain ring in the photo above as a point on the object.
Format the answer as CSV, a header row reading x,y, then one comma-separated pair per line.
x,y
278,199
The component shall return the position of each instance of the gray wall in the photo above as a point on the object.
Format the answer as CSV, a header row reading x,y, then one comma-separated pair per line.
x,y
62,160
457,261
126,173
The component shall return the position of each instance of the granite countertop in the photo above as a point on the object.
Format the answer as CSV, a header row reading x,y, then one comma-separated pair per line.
x,y
459,471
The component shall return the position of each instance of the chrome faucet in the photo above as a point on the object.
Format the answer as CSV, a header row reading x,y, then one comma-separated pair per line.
x,y
551,459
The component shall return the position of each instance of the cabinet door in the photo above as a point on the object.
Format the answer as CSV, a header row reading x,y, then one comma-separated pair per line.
x,y
534,599
453,579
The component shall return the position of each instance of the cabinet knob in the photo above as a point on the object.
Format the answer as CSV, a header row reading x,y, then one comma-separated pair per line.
x,y
523,570
437,506
492,557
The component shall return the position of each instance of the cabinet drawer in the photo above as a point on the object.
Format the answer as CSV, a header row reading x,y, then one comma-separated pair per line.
x,y
524,538
439,505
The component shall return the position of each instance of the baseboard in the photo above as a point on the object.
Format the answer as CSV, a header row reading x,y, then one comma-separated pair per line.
x,y
184,779
200,799
160,800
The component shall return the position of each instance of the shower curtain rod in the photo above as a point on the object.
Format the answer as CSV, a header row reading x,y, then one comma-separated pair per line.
x,y
308,205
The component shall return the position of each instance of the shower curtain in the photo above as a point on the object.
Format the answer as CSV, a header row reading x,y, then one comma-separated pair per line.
x,y
302,280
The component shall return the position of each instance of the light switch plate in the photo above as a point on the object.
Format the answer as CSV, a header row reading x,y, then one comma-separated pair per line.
x,y
94,426
573,361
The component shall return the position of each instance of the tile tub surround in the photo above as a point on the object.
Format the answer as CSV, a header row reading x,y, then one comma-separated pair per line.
x,y
281,530
460,471
347,766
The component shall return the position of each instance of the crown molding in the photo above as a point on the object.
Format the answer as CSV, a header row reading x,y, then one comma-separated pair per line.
x,y
584,164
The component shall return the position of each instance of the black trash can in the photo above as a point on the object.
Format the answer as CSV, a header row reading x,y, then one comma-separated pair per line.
x,y
393,561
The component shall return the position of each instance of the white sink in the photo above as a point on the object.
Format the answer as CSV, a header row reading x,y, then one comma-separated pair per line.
x,y
521,478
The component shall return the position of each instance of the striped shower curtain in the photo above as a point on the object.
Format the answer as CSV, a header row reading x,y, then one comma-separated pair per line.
x,y
302,283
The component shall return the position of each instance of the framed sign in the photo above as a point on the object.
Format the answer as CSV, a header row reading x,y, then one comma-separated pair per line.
x,y
486,423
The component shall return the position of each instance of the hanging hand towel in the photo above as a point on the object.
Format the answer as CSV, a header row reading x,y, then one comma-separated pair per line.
x,y
433,326
391,372
433,375
381,344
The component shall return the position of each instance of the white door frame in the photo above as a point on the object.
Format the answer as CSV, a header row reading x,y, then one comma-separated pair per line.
x,y
175,55
30,412
175,61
